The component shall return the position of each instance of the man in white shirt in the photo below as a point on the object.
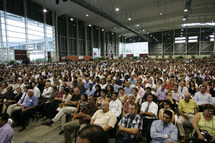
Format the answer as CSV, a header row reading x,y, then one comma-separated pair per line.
x,y
182,88
202,98
36,89
115,105
177,95
47,90
151,84
104,118
20,103
149,110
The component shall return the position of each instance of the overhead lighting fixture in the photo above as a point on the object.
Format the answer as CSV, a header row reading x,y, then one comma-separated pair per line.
x,y
129,18
71,19
182,29
185,10
87,15
115,28
161,13
198,24
112,33
103,29
184,19
117,9
44,10
119,35
143,29
138,25
89,25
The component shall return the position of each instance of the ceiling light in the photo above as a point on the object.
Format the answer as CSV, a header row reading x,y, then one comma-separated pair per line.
x,y
115,28
112,33
138,25
117,9
44,10
161,13
87,15
147,33
182,29
143,29
119,35
71,19
89,25
184,19
185,10
198,24
151,35
129,18
103,29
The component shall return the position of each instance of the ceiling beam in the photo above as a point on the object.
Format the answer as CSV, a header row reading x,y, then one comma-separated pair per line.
x,y
103,14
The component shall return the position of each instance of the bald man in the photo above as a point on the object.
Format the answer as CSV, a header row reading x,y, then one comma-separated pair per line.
x,y
186,108
104,117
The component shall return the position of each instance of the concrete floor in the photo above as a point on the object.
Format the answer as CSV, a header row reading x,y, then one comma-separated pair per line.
x,y
38,133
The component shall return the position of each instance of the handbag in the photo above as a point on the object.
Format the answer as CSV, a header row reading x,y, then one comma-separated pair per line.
x,y
205,134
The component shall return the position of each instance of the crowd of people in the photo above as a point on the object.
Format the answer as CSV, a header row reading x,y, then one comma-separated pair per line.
x,y
127,98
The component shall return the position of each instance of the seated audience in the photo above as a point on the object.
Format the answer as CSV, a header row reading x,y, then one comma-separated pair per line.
x,y
166,105
104,117
186,109
163,130
80,120
127,103
205,121
92,134
20,103
71,108
131,126
149,111
22,116
122,96
6,132
202,98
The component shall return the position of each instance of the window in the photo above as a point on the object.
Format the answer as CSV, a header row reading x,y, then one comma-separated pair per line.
x,y
25,34
180,39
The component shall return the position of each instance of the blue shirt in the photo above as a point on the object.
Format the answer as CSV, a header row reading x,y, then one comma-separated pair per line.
x,y
90,92
6,133
87,84
31,101
128,90
132,81
160,132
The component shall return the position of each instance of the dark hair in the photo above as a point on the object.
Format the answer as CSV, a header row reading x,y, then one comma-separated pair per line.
x,y
135,89
86,96
149,88
208,106
98,87
4,116
94,133
149,94
168,113
167,102
27,87
121,89
116,93
104,90
134,104
111,87
66,90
